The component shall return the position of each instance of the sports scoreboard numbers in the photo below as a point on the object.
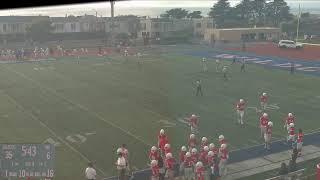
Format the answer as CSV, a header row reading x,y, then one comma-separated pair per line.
x,y
27,160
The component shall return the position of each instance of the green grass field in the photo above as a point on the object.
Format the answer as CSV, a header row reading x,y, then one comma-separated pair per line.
x,y
110,102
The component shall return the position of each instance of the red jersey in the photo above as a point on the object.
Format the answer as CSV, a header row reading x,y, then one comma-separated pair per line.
x,y
241,106
264,121
192,142
200,173
210,160
194,158
269,130
155,171
162,140
203,145
263,99
223,141
194,121
170,163
300,138
215,150
203,157
291,131
224,154
167,150
290,120
188,162
182,156
153,155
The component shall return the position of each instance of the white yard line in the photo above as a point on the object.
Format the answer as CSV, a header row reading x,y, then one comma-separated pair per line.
x,y
22,109
80,107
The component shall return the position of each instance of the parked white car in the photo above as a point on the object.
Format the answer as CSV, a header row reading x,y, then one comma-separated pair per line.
x,y
289,44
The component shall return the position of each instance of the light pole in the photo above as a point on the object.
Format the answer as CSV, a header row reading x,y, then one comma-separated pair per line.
x,y
298,25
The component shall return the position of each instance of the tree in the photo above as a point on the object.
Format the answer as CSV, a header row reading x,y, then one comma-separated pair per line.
x,y
40,30
177,13
277,11
195,15
220,12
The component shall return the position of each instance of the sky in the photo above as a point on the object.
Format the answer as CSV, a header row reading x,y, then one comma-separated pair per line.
x,y
139,7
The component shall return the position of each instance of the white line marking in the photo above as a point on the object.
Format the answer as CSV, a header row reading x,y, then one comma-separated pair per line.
x,y
80,106
22,109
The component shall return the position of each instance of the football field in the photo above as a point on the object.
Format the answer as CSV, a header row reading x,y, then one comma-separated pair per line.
x,y
89,107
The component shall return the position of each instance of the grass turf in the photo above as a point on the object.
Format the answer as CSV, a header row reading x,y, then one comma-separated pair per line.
x,y
121,103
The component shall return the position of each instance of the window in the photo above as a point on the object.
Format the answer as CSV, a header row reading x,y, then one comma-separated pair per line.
x,y
209,25
156,25
198,25
157,34
143,26
73,27
4,26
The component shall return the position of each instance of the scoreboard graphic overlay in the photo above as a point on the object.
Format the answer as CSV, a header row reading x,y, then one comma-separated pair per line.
x,y
27,160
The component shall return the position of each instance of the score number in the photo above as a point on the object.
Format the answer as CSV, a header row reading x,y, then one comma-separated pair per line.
x,y
30,151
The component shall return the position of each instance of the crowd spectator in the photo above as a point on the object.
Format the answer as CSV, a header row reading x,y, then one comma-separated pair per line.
x,y
90,172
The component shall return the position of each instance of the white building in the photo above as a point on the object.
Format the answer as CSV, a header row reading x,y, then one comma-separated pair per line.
x,y
18,24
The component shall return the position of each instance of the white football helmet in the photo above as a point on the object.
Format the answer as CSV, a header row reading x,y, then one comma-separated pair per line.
x,y
169,155
223,146
192,136
188,154
162,132
291,125
206,148
167,146
221,137
211,146
204,139
183,148
193,115
264,94
241,100
194,150
199,164
211,153
153,148
270,123
119,150
265,115
290,114
154,163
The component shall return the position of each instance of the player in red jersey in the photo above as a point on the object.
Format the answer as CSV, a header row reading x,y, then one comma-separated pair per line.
x,y
288,120
155,170
167,149
212,164
203,155
291,133
224,156
194,155
200,171
188,167
162,140
153,154
192,142
268,135
240,107
222,140
213,148
182,156
169,164
193,121
264,119
264,101
204,142
300,141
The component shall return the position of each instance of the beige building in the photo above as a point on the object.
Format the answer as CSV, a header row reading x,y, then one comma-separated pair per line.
x,y
201,25
18,24
156,27
238,34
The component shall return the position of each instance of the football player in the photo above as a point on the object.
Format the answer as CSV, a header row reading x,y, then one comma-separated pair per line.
x,y
264,119
240,107
268,135
264,101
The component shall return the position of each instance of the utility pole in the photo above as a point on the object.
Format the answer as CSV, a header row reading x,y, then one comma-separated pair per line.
x,y
298,25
